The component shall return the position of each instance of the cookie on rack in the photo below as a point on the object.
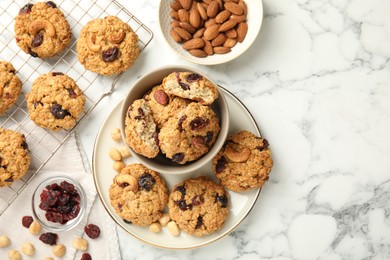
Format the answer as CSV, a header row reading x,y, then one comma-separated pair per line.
x,y
199,206
163,105
141,130
42,30
14,156
191,86
138,195
190,134
107,46
244,162
55,101
10,86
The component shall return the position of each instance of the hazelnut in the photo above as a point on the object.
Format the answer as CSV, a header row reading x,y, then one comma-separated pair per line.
x,y
173,228
35,228
59,250
115,154
14,255
155,227
4,241
164,220
116,134
125,153
118,166
80,244
28,249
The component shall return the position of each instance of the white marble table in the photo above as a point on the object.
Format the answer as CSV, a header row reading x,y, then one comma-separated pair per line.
x,y
317,80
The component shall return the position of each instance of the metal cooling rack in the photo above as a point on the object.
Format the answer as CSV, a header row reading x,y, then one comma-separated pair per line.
x,y
95,87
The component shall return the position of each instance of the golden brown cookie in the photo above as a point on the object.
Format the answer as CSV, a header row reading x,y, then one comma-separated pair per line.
x,y
244,162
138,195
41,29
199,206
14,157
55,101
10,86
107,46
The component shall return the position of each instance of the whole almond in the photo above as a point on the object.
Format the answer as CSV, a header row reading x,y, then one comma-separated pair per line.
x,y
187,27
199,33
211,32
232,33
242,29
202,11
236,1
195,43
184,16
219,40
208,48
230,42
175,36
220,3
175,15
198,53
222,16
182,33
175,23
209,23
244,6
212,9
161,97
186,4
237,18
221,50
207,1
195,18
234,8
229,24
175,5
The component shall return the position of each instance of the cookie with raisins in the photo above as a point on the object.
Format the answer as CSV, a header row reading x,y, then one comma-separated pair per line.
x,y
10,86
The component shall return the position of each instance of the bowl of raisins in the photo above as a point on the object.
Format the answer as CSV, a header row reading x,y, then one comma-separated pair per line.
x,y
59,203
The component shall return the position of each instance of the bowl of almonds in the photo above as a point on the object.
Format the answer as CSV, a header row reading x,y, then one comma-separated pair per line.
x,y
210,32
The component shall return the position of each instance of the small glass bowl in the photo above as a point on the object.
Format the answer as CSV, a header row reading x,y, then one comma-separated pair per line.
x,y
39,214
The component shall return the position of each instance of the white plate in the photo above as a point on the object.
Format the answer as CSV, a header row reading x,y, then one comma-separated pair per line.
x,y
103,174
254,20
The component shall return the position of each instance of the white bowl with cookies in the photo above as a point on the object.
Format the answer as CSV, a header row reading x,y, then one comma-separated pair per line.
x,y
210,32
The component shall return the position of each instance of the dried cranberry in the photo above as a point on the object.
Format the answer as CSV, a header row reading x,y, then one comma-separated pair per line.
x,y
178,157
180,122
51,4
57,74
199,123
197,142
184,86
110,54
182,190
123,184
199,222
67,187
223,200
86,256
197,200
184,206
209,136
156,140
92,231
32,53
24,145
26,221
26,9
193,77
37,40
49,238
58,112
264,146
146,181
221,164
71,92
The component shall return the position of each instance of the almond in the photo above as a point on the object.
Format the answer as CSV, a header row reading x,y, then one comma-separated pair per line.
x,y
161,97
237,18
227,25
198,53
175,23
186,4
219,40
221,50
174,15
175,36
208,48
195,18
182,33
222,16
234,8
236,1
202,11
207,1
242,29
209,23
193,44
212,9
184,16
244,7
187,27
232,33
220,3
230,43
199,33
175,5
211,32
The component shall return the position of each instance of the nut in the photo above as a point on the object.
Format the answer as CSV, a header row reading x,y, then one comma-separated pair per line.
x,y
195,43
199,33
237,18
160,96
173,228
155,227
209,23
227,25
175,23
198,53
184,16
195,18
219,40
125,153
242,30
182,33
48,258
176,37
234,8
126,180
14,255
175,15
244,7
211,32
118,166
39,25
4,241
202,11
212,9
237,156
59,250
186,4
34,228
80,244
91,38
28,249
117,38
230,43
115,154
164,220
175,5
232,33
208,48
188,27
116,134
222,16
221,50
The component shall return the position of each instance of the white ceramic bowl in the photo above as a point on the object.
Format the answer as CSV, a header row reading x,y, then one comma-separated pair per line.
x,y
160,163
254,20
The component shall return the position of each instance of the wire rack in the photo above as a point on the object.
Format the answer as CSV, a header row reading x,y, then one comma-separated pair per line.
x,y
95,87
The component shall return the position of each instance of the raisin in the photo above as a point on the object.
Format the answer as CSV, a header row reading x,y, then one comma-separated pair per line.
x,y
141,114
221,164
49,238
199,123
264,146
127,221
10,179
146,181
37,40
197,200
209,136
24,145
58,112
184,86
156,140
36,103
51,4
180,122
223,200
110,54
199,222
183,205
26,9
178,157
86,256
57,74
71,92
92,231
182,190
193,77
123,184
32,53
26,221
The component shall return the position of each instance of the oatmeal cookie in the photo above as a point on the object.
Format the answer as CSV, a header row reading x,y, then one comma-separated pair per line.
x,y
55,101
192,86
107,46
14,157
164,106
140,129
138,195
244,162
199,206
10,86
190,134
41,29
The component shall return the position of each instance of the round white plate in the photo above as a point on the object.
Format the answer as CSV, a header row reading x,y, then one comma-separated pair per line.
x,y
103,174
